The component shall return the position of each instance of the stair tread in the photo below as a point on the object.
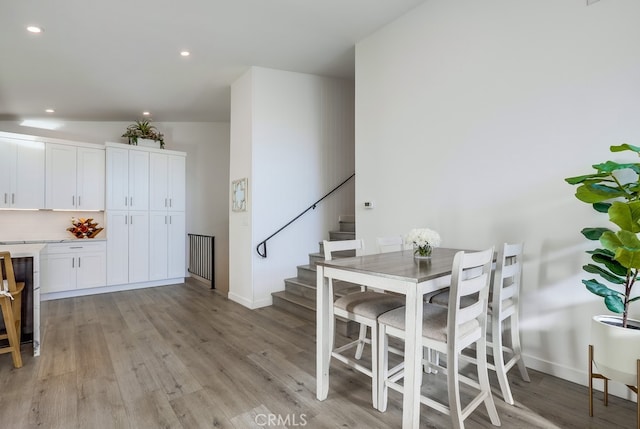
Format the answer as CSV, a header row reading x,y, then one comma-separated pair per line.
x,y
296,299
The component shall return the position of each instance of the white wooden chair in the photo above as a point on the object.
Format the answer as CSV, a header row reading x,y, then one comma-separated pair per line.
x,y
363,307
391,243
449,331
504,305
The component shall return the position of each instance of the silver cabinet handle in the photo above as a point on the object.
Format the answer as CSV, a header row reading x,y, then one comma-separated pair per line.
x,y
79,203
170,219
125,201
165,202
165,220
5,198
73,200
13,198
76,247
126,220
131,222
131,201
78,261
170,202
73,262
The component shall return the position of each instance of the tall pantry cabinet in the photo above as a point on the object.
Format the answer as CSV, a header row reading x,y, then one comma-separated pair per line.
x,y
146,241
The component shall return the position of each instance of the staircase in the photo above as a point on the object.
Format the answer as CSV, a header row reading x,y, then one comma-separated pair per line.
x,y
299,294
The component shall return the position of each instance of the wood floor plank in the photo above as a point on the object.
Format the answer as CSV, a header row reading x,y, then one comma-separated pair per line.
x,y
55,402
153,410
200,410
100,404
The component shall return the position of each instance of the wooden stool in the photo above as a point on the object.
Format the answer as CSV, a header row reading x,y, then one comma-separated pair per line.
x,y
11,307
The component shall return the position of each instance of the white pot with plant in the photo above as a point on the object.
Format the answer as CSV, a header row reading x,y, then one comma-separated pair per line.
x,y
142,132
614,189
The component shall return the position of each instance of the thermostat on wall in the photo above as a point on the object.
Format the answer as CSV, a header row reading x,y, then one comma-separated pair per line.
x,y
368,204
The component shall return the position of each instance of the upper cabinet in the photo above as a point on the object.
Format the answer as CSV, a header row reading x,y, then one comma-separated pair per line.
x,y
167,182
74,177
127,179
22,174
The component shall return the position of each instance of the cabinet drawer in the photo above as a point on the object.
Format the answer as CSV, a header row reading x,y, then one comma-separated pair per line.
x,y
84,246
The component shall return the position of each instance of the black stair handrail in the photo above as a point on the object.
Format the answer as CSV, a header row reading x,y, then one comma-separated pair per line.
x,y
263,243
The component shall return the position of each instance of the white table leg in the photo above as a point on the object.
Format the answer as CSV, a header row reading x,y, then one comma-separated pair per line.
x,y
323,336
412,359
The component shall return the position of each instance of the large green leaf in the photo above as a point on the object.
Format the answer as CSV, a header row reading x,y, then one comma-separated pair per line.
x,y
625,146
626,215
608,276
614,303
610,166
605,257
594,233
587,177
595,193
599,289
601,207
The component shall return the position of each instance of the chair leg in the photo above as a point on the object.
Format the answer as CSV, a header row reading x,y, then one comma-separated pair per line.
x,y
361,340
453,390
375,369
483,379
498,360
383,365
14,342
16,305
515,345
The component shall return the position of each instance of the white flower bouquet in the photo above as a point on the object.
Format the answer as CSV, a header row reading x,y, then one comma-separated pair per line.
x,y
423,240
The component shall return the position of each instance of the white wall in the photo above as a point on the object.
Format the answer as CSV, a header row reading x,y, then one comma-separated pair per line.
x,y
468,117
207,148
301,146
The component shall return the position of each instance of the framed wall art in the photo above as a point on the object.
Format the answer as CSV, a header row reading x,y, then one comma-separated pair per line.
x,y
239,195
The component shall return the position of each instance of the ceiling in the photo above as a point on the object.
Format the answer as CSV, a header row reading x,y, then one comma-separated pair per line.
x,y
112,60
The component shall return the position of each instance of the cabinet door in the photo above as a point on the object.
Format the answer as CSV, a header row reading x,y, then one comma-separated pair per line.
x,y
158,170
7,174
117,179
138,247
90,179
90,270
176,182
176,245
29,175
117,248
60,177
138,180
158,224
60,273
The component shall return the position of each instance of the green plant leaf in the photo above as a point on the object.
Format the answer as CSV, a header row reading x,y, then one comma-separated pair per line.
x,y
614,303
594,233
579,179
626,215
599,289
605,257
610,166
625,146
596,193
601,207
610,277
634,299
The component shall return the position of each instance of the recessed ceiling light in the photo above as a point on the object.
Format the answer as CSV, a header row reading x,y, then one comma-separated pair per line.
x,y
34,29
185,53
50,111
146,113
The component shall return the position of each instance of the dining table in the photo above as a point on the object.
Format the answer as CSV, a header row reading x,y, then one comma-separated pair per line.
x,y
399,272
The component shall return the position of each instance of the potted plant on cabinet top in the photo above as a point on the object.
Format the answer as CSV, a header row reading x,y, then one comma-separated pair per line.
x,y
141,130
614,189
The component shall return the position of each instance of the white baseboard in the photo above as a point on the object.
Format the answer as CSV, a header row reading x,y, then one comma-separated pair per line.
x,y
107,289
249,303
577,376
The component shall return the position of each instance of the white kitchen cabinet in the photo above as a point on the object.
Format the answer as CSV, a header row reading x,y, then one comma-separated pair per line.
x,y
71,266
127,179
167,245
22,174
75,177
167,182
127,247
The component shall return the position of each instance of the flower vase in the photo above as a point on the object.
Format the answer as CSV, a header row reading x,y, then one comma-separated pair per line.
x,y
422,252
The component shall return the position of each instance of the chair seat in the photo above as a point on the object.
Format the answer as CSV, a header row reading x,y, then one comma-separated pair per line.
x,y
434,322
369,304
442,299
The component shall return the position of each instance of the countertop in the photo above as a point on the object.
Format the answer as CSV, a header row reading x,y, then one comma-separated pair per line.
x,y
62,240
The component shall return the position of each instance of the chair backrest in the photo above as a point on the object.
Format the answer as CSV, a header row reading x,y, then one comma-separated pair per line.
x,y
392,243
340,246
507,280
8,279
470,279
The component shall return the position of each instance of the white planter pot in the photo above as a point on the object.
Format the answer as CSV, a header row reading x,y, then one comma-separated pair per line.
x,y
616,349
148,143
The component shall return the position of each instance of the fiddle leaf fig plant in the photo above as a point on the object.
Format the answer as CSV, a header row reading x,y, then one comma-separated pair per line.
x,y
613,189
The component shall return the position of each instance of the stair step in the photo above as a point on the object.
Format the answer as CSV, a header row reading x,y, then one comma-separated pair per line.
x,y
346,226
340,235
340,253
306,309
298,286
314,258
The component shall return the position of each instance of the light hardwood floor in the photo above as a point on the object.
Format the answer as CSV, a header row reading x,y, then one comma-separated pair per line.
x,y
183,356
